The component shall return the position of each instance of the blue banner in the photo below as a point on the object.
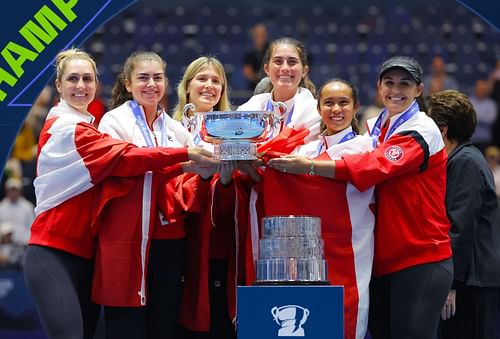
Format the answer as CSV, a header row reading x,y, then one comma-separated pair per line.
x,y
267,312
33,32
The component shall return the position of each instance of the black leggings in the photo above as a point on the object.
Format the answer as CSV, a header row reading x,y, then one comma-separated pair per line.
x,y
60,284
159,318
407,304
221,326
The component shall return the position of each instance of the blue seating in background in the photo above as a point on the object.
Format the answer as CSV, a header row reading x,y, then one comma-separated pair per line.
x,y
344,39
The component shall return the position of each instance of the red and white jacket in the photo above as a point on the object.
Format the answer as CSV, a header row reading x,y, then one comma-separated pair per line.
x,y
409,169
301,113
347,221
73,160
227,207
124,238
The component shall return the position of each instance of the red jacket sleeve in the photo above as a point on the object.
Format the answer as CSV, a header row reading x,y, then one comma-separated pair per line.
x,y
401,154
104,156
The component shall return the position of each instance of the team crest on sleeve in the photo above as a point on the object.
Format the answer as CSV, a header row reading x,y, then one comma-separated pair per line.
x,y
394,153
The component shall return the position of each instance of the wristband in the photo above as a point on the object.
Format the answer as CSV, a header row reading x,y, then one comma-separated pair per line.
x,y
311,168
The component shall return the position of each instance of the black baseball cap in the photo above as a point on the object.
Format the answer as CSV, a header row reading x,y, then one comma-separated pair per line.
x,y
404,62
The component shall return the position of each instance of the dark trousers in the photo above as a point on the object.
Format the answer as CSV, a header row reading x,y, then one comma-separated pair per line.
x,y
407,304
475,316
159,318
221,326
60,284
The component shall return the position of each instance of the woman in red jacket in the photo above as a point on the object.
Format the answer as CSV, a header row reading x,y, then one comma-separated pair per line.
x,y
73,160
412,263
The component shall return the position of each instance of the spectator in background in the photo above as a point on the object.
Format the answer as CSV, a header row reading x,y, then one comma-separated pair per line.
x,y
486,111
25,144
13,168
470,310
24,150
252,60
495,95
17,211
439,80
11,253
39,110
492,155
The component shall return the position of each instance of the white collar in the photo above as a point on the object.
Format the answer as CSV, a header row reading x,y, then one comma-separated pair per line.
x,y
70,109
330,140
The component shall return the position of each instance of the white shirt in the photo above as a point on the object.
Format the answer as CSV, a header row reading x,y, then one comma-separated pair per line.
x,y
20,215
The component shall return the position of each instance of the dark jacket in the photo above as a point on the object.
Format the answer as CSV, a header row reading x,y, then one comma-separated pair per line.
x,y
472,207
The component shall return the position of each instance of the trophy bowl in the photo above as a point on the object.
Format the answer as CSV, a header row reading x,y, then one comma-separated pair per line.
x,y
235,134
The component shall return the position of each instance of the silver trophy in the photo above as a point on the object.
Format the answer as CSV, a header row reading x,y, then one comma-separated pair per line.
x,y
291,251
235,134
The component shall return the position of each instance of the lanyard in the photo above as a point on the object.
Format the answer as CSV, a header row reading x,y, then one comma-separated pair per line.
x,y
143,126
377,128
345,138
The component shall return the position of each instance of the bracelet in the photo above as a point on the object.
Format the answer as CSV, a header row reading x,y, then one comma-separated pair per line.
x,y
311,168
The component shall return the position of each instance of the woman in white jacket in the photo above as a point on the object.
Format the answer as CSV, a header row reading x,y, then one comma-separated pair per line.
x,y
286,65
146,307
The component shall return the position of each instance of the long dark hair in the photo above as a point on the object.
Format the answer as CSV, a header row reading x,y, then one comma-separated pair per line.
x,y
301,51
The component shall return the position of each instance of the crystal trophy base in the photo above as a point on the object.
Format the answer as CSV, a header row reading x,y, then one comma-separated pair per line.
x,y
291,252
291,270
235,150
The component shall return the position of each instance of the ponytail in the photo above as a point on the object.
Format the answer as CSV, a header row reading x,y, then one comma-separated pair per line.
x,y
119,94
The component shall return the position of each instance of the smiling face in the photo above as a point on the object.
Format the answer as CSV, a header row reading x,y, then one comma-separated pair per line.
x,y
336,106
205,89
285,70
398,90
147,84
77,84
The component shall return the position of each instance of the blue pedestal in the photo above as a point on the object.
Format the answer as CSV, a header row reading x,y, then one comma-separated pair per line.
x,y
266,312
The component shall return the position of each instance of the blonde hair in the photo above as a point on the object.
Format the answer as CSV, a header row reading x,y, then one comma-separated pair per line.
x,y
119,94
194,68
63,57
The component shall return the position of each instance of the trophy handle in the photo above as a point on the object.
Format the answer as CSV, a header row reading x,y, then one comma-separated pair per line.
x,y
279,114
187,121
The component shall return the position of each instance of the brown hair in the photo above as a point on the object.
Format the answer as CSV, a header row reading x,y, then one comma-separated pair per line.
x,y
301,51
119,94
453,109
